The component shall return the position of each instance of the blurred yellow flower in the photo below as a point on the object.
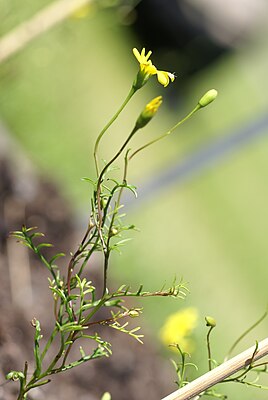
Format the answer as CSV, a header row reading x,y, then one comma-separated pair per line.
x,y
148,69
179,327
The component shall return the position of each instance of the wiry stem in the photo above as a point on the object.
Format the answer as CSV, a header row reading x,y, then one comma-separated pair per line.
x,y
166,133
98,198
107,126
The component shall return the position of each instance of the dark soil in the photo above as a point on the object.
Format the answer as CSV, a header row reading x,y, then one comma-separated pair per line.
x,y
133,372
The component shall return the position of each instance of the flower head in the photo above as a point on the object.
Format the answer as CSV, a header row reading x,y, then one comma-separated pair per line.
x,y
147,69
141,57
179,327
148,112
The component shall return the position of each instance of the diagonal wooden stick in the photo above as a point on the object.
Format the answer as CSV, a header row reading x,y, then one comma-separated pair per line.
x,y
220,373
41,22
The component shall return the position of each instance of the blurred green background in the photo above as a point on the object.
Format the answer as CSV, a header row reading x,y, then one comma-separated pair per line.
x,y
211,228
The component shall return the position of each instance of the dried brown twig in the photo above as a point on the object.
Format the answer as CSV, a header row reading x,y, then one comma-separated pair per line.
x,y
220,373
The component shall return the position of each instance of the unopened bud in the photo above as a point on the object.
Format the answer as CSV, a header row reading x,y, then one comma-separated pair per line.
x,y
208,98
34,322
104,201
133,313
210,322
149,111
114,231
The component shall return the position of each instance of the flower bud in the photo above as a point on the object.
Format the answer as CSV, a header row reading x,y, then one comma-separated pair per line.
x,y
148,113
210,322
208,98
134,313
114,231
145,72
104,201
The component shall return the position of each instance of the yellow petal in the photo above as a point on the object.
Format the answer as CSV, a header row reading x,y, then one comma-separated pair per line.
x,y
141,57
149,68
163,78
137,54
148,55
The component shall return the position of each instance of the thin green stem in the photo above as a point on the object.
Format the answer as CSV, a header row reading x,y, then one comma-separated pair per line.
x,y
209,349
115,212
71,338
98,191
87,258
22,393
98,198
56,358
166,133
249,368
98,306
246,333
80,249
182,371
107,126
49,342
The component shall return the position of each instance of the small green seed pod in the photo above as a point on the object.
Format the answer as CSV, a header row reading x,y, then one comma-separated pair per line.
x,y
210,322
208,98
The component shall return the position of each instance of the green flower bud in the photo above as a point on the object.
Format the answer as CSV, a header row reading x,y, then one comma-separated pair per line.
x,y
114,231
148,113
208,98
210,322
104,201
133,313
15,375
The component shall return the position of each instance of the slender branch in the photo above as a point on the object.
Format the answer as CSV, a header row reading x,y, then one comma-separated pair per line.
x,y
98,200
115,212
40,23
80,249
209,348
246,333
107,126
166,133
218,374
100,179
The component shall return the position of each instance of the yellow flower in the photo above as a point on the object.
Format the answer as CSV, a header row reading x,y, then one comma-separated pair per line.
x,y
144,61
179,327
148,112
152,107
147,69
